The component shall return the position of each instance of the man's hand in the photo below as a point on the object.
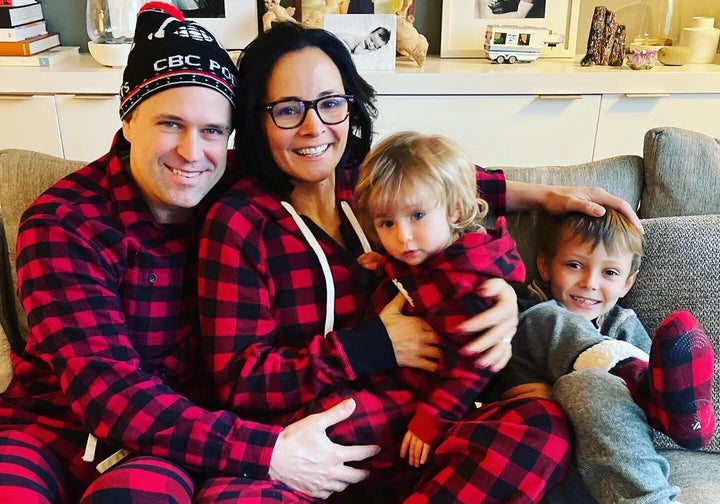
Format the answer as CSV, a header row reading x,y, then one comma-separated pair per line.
x,y
305,459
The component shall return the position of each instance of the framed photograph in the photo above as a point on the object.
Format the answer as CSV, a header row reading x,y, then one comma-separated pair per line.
x,y
464,22
370,38
272,11
309,12
233,22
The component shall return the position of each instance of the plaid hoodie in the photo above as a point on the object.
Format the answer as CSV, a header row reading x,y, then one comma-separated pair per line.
x,y
263,302
443,292
113,342
263,310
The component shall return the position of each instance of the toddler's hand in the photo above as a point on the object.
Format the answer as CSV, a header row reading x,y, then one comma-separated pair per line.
x,y
370,260
416,449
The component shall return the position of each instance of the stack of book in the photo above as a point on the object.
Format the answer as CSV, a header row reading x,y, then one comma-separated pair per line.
x,y
24,39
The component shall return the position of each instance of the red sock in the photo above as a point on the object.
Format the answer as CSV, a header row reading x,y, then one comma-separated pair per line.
x,y
674,389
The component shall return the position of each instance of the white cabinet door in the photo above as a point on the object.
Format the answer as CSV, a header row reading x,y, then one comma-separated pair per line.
x,y
87,124
501,130
624,119
29,122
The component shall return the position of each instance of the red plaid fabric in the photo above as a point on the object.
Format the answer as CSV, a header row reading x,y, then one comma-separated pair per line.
x,y
37,476
262,303
529,453
509,451
142,479
675,388
227,490
262,312
443,291
113,345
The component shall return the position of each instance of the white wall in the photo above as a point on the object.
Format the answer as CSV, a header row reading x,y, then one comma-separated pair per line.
x,y
626,11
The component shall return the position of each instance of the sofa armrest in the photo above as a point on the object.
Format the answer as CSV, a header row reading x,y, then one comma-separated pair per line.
x,y
23,176
5,366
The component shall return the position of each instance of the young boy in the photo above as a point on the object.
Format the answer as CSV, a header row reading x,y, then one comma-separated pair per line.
x,y
417,195
587,264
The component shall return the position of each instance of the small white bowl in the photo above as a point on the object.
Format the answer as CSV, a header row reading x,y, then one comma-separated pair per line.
x,y
112,55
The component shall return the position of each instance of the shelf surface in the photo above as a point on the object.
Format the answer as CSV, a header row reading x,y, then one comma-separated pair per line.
x,y
440,76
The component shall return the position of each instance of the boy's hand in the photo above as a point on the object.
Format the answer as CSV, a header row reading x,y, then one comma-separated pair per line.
x,y
416,449
535,389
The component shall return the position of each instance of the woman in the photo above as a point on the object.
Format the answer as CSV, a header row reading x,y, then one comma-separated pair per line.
x,y
282,296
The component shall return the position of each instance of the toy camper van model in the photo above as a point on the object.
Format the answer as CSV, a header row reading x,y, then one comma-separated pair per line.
x,y
508,44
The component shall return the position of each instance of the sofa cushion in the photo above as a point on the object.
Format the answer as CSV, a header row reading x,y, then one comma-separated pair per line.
x,y
23,176
621,176
5,365
696,474
681,271
671,155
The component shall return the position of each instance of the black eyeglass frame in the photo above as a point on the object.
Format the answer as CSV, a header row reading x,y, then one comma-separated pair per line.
x,y
307,106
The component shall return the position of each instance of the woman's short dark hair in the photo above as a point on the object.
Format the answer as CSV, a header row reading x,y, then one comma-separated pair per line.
x,y
255,66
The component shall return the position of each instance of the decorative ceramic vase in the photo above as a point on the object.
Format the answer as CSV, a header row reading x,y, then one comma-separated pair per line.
x,y
702,37
110,25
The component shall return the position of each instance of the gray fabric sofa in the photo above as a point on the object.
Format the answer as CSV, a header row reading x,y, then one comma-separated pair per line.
x,y
675,185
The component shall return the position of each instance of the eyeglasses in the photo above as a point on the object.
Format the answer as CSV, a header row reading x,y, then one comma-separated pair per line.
x,y
288,114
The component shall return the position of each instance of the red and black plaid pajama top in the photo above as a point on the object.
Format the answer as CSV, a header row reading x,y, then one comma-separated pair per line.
x,y
443,291
113,342
262,303
262,312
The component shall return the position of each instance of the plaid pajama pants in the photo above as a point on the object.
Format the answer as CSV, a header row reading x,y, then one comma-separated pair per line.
x,y
31,474
505,452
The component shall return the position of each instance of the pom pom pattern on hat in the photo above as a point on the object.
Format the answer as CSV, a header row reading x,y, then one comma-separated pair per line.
x,y
170,51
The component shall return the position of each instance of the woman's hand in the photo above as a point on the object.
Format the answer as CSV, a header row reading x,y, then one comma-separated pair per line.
x,y
562,199
497,325
413,340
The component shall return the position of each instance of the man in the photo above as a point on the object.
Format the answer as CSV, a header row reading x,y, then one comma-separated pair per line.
x,y
105,398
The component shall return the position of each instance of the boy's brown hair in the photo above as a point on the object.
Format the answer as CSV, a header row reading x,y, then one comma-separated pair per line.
x,y
613,230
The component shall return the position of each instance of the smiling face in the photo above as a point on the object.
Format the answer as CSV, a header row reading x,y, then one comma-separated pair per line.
x,y
310,152
587,281
416,228
178,148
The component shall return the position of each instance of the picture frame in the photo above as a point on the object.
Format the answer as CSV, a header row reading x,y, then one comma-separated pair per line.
x,y
234,23
463,32
291,7
370,38
303,9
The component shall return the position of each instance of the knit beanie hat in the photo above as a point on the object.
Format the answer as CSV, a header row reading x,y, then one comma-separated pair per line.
x,y
170,51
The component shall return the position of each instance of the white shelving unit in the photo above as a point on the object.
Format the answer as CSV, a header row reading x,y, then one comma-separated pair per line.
x,y
551,111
